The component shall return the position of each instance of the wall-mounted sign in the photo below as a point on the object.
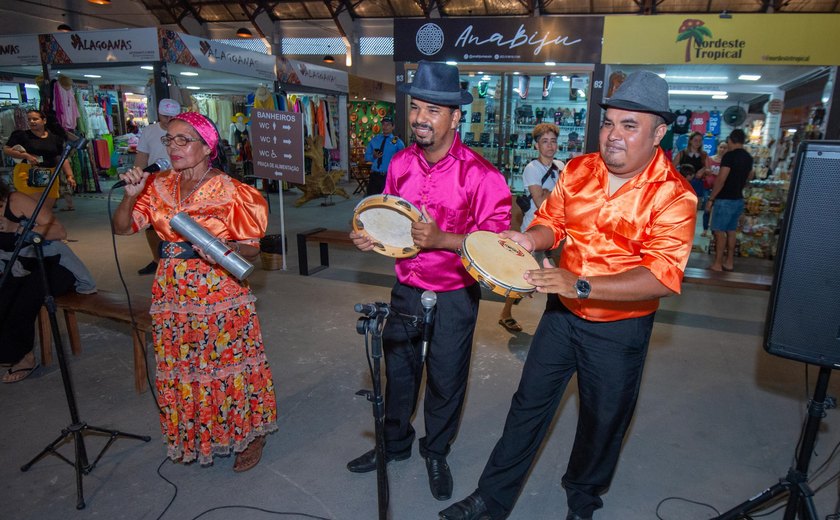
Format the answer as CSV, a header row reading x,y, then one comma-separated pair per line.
x,y
507,40
20,49
117,46
746,39
277,145
294,72
189,50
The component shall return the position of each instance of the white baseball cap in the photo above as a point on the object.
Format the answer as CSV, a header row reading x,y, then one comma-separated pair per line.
x,y
169,107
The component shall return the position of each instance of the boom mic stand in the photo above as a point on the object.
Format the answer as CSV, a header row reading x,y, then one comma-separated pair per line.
x,y
77,427
795,483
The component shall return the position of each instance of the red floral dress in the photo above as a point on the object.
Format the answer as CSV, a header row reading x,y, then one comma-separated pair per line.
x,y
214,384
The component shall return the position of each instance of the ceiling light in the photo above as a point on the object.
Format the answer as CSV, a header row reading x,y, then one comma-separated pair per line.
x,y
515,73
697,92
696,78
100,2
193,88
564,78
550,64
553,73
187,73
243,32
329,59
95,76
64,28
129,93
749,77
720,96
450,62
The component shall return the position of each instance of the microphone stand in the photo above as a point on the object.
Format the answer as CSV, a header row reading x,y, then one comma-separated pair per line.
x,y
373,324
77,427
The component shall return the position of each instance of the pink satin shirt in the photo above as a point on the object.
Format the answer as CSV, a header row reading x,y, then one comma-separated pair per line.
x,y
463,193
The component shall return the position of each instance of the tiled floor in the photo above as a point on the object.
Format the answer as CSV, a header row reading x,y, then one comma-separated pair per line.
x,y
718,418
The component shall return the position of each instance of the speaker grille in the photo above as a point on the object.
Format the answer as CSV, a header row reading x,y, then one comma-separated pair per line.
x,y
804,311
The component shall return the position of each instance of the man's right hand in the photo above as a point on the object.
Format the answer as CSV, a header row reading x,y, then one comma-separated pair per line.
x,y
523,239
361,240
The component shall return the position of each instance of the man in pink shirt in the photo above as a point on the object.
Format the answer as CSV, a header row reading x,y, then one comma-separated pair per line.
x,y
459,192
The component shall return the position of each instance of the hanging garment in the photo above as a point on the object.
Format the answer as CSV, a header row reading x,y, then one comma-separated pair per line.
x,y
66,109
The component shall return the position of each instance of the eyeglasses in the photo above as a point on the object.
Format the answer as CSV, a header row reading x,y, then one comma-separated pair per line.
x,y
180,140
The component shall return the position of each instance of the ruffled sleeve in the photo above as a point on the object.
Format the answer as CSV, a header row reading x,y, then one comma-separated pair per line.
x,y
248,217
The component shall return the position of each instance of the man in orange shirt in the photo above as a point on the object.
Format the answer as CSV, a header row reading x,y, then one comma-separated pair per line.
x,y
628,218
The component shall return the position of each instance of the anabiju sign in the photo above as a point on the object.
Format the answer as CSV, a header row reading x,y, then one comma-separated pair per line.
x,y
571,40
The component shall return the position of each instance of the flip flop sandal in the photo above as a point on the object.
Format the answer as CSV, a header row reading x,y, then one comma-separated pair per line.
x,y
13,377
250,456
510,324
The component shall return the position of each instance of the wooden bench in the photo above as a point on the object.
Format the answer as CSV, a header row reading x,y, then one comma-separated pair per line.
x,y
103,304
323,237
727,279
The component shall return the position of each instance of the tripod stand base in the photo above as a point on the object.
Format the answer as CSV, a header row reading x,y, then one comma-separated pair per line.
x,y
83,467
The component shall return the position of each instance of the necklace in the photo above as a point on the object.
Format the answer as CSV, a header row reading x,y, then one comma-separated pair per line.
x,y
197,184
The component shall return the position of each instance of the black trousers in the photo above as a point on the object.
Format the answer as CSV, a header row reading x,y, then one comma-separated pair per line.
x,y
376,183
20,302
608,358
447,368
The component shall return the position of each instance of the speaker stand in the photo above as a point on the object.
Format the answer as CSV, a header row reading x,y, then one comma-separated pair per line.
x,y
795,483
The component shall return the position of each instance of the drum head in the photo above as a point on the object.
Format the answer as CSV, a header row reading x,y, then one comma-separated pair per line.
x,y
500,260
387,220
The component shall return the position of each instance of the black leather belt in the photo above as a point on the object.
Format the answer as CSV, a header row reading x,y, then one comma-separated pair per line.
x,y
181,250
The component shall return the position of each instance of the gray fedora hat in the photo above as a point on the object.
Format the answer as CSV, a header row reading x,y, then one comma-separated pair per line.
x,y
437,83
642,91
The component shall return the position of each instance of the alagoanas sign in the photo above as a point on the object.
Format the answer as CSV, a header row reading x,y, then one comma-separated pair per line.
x,y
746,39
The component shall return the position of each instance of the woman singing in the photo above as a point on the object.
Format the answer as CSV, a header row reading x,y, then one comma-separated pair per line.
x,y
214,384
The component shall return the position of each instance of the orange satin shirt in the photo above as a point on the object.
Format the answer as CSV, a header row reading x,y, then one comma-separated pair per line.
x,y
227,208
648,222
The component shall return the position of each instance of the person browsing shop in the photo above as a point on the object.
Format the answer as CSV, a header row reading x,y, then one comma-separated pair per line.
x,y
628,219
379,152
459,192
149,150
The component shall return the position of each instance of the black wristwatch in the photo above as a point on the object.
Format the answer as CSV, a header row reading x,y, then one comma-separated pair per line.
x,y
583,288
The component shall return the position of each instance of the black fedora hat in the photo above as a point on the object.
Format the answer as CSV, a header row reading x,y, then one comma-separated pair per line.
x,y
437,83
642,91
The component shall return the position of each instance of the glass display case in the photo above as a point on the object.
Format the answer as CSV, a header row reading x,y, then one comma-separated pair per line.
x,y
507,106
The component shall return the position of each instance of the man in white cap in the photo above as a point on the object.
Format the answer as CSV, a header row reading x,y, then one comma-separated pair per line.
x,y
628,219
149,150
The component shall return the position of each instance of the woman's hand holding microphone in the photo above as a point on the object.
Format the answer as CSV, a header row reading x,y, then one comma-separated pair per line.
x,y
135,181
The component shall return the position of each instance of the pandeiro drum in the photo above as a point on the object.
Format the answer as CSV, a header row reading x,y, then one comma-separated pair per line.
x,y
498,263
387,220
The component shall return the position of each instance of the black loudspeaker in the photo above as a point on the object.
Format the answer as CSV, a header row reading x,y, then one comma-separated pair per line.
x,y
803,317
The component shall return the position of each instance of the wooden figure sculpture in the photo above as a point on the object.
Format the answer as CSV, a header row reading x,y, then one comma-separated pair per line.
x,y
320,183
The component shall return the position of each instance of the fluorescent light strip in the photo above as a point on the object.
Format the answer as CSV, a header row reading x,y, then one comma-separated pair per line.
x,y
193,88
720,96
147,67
749,77
94,76
697,92
452,62
189,73
29,85
697,78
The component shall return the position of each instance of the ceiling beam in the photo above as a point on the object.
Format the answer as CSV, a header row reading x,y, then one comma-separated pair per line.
x,y
252,16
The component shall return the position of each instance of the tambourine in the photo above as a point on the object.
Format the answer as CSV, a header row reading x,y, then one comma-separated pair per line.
x,y
387,220
498,263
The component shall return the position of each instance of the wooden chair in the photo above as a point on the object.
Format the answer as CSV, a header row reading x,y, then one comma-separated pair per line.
x,y
360,172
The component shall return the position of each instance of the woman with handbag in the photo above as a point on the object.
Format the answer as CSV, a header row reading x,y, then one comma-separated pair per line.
x,y
38,150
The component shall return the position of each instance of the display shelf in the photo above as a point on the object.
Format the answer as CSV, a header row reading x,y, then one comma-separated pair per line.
x,y
764,204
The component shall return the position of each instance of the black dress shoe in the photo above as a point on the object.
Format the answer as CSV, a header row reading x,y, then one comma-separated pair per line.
x,y
440,478
470,508
367,462
151,268
575,516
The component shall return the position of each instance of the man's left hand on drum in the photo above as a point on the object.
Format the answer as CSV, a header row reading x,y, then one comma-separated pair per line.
x,y
361,240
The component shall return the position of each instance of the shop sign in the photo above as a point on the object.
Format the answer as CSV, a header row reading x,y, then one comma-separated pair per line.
x,y
294,72
193,51
117,46
745,39
20,49
277,145
507,40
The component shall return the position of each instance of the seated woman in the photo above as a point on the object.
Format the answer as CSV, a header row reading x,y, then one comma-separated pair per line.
x,y
22,294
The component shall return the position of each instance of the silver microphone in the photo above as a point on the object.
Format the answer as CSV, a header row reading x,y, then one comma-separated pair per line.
x,y
196,234
428,299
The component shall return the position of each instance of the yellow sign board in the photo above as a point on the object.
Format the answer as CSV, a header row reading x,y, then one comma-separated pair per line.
x,y
746,39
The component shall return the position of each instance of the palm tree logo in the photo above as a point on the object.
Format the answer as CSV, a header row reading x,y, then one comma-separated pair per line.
x,y
692,30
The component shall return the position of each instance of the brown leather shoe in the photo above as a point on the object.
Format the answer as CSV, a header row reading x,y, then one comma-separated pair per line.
x,y
250,456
